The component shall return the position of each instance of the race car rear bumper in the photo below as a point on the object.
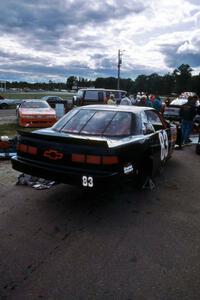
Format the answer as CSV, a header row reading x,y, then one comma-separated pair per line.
x,y
67,175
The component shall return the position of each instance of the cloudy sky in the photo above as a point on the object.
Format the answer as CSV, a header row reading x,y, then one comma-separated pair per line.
x,y
44,40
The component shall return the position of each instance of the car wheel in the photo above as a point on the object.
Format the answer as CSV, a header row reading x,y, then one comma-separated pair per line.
x,y
4,106
17,117
145,172
73,101
198,148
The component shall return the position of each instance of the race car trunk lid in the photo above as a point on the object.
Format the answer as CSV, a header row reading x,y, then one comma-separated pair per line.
x,y
49,136
65,150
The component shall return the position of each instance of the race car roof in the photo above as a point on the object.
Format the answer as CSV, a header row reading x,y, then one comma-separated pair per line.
x,y
126,108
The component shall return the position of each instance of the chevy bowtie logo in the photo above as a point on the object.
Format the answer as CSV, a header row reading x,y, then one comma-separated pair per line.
x,y
53,154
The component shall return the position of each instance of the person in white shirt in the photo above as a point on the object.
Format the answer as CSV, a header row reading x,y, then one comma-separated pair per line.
x,y
133,99
125,100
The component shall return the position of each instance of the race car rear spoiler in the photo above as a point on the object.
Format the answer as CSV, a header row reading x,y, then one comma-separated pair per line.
x,y
66,139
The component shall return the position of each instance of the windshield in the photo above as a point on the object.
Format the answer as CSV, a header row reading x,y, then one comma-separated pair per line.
x,y
179,101
80,93
34,104
45,97
97,122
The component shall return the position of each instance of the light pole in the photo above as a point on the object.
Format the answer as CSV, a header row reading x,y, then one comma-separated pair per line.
x,y
118,68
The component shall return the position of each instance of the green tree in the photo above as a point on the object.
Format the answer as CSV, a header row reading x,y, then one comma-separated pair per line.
x,y
168,84
195,84
182,77
71,81
141,83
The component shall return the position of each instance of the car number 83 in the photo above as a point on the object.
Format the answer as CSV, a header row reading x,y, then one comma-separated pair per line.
x,y
164,143
87,181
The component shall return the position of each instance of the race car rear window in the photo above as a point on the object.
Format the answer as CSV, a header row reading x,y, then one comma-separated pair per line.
x,y
34,104
103,123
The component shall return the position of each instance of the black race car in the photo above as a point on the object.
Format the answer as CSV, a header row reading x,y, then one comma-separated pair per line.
x,y
172,112
97,144
53,100
198,146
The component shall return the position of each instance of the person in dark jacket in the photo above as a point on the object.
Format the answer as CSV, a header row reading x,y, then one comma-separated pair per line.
x,y
187,114
157,104
142,101
145,101
167,102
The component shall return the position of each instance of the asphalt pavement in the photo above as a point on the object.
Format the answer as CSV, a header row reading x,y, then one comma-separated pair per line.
x,y
119,243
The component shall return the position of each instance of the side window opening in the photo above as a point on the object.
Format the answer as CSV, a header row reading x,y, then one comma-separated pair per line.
x,y
147,126
91,96
101,98
155,120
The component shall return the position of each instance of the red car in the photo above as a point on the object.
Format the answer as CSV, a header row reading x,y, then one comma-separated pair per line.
x,y
35,113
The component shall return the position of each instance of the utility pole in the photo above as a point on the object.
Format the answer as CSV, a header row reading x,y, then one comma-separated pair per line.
x,y
118,67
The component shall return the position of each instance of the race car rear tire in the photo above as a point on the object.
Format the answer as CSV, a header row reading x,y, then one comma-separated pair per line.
x,y
198,149
145,171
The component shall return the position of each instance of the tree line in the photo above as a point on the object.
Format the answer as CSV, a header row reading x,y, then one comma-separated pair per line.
x,y
45,86
178,81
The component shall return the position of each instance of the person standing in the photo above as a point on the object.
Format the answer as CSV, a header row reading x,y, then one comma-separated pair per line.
x,y
157,104
167,102
142,101
125,100
133,99
148,102
111,100
187,114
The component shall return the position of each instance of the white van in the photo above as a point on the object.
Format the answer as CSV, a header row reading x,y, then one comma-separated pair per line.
x,y
96,96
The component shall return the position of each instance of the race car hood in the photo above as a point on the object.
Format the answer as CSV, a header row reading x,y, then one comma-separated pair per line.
x,y
179,101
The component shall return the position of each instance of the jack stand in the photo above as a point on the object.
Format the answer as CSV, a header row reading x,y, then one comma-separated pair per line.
x,y
149,184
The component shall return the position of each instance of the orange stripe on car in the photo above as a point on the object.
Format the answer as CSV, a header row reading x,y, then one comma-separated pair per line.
x,y
93,159
110,160
78,158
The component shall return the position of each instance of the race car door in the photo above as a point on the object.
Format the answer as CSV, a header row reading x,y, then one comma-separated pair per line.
x,y
160,146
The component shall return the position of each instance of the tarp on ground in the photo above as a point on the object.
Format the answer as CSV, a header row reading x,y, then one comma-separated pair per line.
x,y
7,147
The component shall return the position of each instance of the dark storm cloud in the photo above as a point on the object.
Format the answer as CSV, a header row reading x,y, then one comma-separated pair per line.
x,y
176,60
193,1
174,57
89,43
41,68
53,27
49,32
140,69
17,57
34,68
20,67
103,61
40,18
136,71
108,63
97,56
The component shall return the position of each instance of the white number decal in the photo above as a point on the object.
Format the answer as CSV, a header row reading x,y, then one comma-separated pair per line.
x,y
164,144
90,181
84,180
87,181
